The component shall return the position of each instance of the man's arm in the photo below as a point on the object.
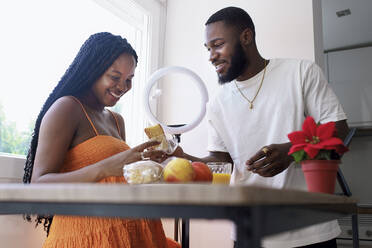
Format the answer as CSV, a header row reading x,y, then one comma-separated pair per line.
x,y
342,129
212,156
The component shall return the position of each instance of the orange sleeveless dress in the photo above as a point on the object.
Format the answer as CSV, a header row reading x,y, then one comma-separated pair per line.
x,y
100,232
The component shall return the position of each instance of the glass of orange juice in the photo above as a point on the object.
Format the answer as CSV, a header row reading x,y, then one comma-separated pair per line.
x,y
221,172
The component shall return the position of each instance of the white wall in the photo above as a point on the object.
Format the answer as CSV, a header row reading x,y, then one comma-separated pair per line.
x,y
284,29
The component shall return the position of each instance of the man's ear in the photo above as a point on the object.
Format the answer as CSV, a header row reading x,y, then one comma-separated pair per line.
x,y
246,37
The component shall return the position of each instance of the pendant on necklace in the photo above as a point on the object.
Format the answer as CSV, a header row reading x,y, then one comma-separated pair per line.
x,y
251,105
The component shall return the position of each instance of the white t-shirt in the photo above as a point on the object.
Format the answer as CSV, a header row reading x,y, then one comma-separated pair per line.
x,y
292,89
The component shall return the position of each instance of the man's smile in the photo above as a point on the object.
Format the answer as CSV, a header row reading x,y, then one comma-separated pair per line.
x,y
220,66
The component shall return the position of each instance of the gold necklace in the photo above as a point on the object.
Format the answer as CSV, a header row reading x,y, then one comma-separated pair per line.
x,y
254,98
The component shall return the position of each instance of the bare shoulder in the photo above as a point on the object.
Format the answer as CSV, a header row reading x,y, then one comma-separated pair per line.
x,y
67,103
118,116
121,123
65,110
120,119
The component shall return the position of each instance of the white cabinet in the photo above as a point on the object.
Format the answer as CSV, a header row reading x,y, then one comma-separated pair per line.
x,y
350,75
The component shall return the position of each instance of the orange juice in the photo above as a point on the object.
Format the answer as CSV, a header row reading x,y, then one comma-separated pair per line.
x,y
221,178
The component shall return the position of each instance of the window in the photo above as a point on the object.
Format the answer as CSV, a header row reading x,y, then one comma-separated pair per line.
x,y
39,41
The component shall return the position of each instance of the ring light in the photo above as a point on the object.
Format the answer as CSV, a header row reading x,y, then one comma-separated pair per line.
x,y
199,83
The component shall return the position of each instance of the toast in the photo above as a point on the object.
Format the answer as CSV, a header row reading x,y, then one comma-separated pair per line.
x,y
157,133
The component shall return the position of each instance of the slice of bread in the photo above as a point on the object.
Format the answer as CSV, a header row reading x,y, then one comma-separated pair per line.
x,y
156,132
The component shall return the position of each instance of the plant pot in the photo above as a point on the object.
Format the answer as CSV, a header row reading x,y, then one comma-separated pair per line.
x,y
320,175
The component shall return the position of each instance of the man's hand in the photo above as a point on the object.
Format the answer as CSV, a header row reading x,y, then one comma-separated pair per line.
x,y
177,153
270,160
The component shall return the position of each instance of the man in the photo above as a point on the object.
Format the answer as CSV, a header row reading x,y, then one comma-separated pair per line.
x,y
259,102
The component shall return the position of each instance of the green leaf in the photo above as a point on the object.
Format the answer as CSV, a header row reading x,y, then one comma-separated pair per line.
x,y
11,139
299,155
324,155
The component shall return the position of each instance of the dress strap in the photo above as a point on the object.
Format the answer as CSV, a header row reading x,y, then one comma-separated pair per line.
x,y
86,114
116,121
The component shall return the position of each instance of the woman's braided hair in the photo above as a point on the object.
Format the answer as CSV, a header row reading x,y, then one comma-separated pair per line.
x,y
95,56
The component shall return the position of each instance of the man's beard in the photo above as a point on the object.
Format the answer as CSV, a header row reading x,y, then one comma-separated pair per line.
x,y
237,65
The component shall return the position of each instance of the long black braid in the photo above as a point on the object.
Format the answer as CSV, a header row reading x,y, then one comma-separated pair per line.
x,y
95,56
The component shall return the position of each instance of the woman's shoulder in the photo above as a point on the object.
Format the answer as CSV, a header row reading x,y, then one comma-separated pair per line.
x,y
119,118
66,108
117,115
67,101
120,121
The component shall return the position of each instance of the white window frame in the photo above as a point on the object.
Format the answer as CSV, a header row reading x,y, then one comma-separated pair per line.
x,y
152,32
148,16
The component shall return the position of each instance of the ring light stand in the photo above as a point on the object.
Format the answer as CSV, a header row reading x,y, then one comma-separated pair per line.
x,y
177,129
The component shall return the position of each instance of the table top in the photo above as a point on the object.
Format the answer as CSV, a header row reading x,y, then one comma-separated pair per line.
x,y
170,194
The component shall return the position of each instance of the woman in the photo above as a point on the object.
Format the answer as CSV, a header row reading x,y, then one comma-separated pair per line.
x,y
76,139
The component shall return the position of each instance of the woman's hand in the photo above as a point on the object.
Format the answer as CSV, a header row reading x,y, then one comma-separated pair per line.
x,y
154,155
114,167
139,153
270,160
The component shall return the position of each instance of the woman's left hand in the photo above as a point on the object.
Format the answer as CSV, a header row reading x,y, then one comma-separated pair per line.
x,y
144,151
154,155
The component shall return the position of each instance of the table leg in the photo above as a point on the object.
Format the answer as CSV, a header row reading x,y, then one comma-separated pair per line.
x,y
249,228
176,221
185,237
354,220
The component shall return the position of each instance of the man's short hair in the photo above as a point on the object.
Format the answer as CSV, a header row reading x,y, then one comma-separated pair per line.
x,y
235,17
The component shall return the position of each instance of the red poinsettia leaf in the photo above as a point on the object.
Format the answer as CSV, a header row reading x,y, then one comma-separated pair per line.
x,y
295,148
324,137
326,131
311,150
337,145
341,149
332,144
297,137
333,141
309,126
329,144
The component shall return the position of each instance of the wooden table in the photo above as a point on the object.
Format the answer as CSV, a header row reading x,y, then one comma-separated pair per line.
x,y
256,211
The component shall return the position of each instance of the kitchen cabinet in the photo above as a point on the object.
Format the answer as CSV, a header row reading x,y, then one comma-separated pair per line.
x,y
350,75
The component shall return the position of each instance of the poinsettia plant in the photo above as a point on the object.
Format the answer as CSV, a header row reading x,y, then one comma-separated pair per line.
x,y
316,141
